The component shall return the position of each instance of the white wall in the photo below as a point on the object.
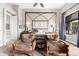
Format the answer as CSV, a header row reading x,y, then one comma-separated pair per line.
x,y
1,27
4,7
20,21
14,27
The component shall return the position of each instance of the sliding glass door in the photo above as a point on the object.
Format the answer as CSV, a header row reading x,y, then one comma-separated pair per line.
x,y
72,24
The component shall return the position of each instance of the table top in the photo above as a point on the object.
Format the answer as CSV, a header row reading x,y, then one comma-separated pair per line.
x,y
41,36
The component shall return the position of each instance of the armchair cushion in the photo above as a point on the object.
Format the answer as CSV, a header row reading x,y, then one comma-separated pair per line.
x,y
58,46
28,38
52,47
22,46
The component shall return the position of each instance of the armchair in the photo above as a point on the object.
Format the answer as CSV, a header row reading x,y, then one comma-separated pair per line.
x,y
57,47
25,44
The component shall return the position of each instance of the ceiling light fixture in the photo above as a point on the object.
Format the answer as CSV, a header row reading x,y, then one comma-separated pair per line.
x,y
41,4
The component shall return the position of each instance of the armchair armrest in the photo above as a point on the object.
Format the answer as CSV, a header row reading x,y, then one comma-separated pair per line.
x,y
33,44
64,43
17,41
47,46
47,43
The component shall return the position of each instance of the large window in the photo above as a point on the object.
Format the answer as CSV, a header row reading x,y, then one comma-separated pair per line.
x,y
72,28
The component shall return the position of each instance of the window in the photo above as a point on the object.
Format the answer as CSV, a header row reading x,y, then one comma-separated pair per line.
x,y
72,27
72,24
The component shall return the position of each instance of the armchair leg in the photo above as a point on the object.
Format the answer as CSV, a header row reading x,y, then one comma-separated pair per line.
x,y
32,53
13,53
47,54
46,51
67,54
13,50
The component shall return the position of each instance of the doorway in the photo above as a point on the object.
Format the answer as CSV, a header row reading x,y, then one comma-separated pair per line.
x,y
10,26
40,21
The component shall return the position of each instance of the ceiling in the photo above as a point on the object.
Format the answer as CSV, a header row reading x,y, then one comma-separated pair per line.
x,y
46,5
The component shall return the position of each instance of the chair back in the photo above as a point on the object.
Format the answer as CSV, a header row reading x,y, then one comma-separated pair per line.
x,y
52,35
27,37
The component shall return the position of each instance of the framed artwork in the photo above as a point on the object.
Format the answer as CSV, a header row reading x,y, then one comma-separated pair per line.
x,y
8,22
20,26
40,24
7,26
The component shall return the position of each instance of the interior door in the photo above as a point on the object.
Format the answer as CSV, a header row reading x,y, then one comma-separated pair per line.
x,y
10,27
7,31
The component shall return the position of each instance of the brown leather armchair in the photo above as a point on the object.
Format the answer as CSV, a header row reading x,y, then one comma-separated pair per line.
x,y
57,48
26,44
